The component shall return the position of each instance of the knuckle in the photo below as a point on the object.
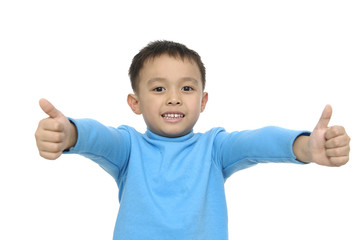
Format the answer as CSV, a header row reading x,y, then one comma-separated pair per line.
x,y
334,130
337,151
57,126
58,148
62,136
37,134
336,142
58,137
41,122
341,129
329,152
39,131
54,148
330,143
348,149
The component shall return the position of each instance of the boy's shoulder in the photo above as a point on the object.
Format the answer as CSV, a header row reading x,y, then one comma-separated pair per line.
x,y
212,132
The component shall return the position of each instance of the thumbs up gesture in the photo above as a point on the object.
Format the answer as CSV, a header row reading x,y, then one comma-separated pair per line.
x,y
328,146
55,133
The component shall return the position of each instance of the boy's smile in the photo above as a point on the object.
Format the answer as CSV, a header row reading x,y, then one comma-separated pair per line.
x,y
170,95
173,116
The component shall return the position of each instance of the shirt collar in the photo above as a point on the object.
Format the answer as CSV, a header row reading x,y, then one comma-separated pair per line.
x,y
154,136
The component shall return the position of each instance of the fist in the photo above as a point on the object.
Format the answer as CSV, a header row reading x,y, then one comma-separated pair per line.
x,y
329,146
55,133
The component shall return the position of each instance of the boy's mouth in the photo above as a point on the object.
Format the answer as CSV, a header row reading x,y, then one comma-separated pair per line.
x,y
172,116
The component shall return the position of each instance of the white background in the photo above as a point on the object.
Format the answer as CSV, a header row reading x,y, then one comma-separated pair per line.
x,y
268,63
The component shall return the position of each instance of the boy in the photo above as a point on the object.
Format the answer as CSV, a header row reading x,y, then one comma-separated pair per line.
x,y
170,179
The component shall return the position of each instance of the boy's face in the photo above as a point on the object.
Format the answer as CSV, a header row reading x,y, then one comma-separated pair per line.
x,y
170,95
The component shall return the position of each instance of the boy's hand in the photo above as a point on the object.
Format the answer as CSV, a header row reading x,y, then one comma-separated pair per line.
x,y
327,146
55,133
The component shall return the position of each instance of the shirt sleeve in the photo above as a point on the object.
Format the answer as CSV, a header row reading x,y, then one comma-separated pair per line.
x,y
239,150
109,147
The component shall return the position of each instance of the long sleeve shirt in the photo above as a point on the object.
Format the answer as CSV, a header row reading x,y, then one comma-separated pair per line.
x,y
173,188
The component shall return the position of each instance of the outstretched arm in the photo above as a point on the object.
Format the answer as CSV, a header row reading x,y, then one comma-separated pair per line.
x,y
327,146
107,146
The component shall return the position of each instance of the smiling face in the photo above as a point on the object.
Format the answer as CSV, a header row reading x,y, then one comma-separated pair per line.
x,y
170,95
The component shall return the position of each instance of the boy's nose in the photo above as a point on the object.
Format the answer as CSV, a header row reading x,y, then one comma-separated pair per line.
x,y
174,99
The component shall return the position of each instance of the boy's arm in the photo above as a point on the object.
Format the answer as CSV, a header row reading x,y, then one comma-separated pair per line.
x,y
327,146
55,133
107,146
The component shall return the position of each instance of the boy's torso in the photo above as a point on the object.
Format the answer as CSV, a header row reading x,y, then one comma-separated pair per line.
x,y
172,190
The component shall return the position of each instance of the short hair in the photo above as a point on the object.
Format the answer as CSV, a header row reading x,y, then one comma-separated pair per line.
x,y
158,48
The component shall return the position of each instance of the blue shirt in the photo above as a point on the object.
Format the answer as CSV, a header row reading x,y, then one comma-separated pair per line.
x,y
173,188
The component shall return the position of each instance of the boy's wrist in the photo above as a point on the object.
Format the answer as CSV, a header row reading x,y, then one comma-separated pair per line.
x,y
301,149
73,136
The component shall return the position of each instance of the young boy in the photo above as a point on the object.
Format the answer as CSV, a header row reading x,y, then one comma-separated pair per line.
x,y
170,179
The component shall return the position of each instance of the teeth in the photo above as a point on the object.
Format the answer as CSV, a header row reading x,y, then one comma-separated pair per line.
x,y
173,115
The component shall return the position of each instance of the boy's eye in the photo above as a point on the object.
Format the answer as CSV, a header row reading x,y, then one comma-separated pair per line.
x,y
159,89
187,88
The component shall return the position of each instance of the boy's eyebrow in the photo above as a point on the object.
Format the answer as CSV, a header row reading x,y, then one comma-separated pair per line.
x,y
152,80
159,79
195,81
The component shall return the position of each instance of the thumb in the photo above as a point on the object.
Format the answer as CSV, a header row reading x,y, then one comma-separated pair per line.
x,y
325,117
49,108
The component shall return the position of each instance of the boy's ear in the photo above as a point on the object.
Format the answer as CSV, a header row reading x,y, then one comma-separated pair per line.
x,y
133,103
204,101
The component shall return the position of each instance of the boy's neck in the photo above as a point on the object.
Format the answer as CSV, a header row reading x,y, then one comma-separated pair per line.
x,y
154,136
